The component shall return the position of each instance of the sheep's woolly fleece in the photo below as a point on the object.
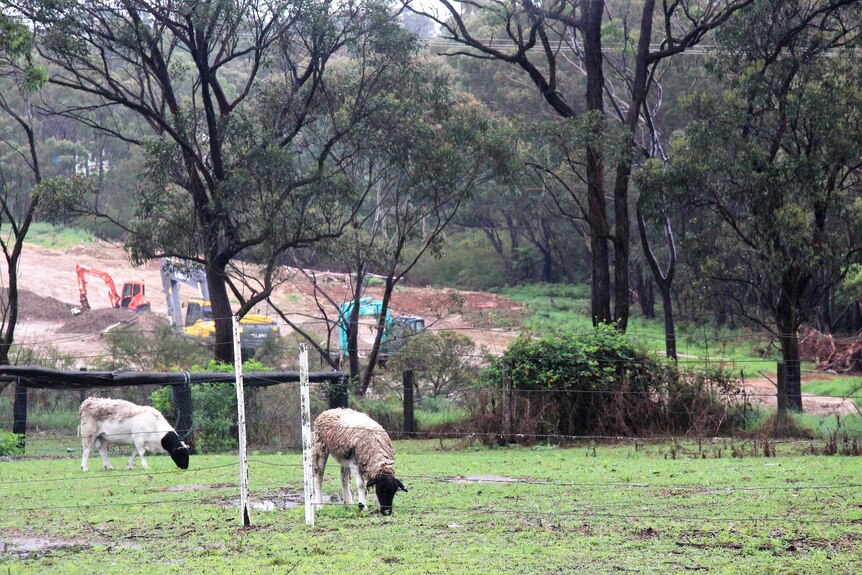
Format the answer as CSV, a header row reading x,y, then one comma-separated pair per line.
x,y
106,409
345,432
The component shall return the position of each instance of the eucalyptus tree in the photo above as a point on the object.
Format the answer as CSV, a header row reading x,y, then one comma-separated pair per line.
x,y
772,163
242,121
20,178
20,167
560,49
415,166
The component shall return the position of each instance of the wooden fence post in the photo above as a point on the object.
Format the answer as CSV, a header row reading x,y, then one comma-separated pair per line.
x,y
793,385
409,416
507,409
781,398
19,411
338,393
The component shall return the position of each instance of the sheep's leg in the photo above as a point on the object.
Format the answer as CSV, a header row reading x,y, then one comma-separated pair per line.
x,y
345,485
87,445
318,462
131,463
360,487
102,446
141,451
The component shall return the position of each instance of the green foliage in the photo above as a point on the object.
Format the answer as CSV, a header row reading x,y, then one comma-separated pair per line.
x,y
214,408
63,198
387,411
443,361
594,361
601,382
11,444
467,260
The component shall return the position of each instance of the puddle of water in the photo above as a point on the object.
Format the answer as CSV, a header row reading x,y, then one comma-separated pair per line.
x,y
30,546
281,501
268,505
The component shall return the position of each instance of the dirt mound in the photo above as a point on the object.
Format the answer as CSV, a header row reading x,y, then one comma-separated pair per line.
x,y
96,320
32,307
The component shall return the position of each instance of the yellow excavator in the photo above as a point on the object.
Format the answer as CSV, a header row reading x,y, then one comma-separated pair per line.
x,y
199,320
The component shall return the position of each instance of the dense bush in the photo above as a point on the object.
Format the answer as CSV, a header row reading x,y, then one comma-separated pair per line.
x,y
601,383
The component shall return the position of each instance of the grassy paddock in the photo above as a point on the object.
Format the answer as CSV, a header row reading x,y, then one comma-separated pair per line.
x,y
60,237
654,508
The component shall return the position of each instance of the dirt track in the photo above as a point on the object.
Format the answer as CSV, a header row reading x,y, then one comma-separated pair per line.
x,y
763,391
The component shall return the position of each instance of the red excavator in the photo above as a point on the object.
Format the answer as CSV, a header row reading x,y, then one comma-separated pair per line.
x,y
133,292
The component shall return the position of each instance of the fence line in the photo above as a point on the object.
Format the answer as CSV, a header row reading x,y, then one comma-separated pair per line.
x,y
645,439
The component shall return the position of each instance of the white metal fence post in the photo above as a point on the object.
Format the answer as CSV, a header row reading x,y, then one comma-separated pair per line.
x,y
240,422
305,416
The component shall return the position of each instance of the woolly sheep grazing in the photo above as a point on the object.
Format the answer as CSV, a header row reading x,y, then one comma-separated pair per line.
x,y
357,443
105,421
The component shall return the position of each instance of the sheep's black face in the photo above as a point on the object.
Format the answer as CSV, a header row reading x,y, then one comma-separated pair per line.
x,y
386,486
178,449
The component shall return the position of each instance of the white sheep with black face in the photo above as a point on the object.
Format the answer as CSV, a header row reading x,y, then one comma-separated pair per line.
x,y
358,444
107,421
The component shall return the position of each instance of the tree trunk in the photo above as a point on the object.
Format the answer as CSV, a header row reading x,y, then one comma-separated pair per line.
x,y
664,281
669,327
645,294
600,294
719,309
622,239
789,340
381,330
353,334
223,345
787,320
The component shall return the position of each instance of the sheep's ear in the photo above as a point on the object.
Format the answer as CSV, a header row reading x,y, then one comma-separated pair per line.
x,y
371,483
400,485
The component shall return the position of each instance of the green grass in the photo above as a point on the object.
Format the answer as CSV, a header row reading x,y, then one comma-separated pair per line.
x,y
822,425
59,237
605,509
58,416
835,386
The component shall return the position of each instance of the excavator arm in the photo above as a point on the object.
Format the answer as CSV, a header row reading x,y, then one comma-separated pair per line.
x,y
82,272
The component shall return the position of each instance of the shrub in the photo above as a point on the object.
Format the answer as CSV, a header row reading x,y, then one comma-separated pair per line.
x,y
11,444
603,383
443,361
